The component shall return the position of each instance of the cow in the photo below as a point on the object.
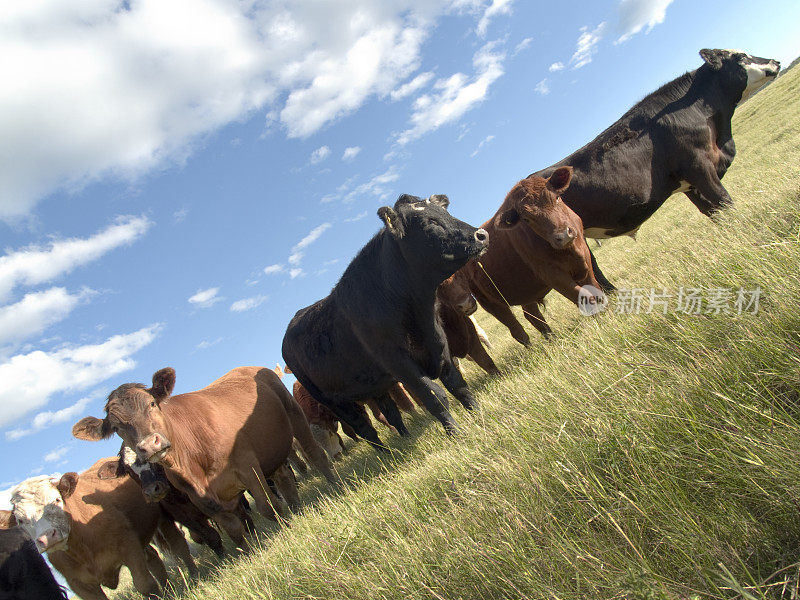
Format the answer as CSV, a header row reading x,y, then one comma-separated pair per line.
x,y
91,527
456,306
156,488
537,246
217,442
379,326
677,139
24,575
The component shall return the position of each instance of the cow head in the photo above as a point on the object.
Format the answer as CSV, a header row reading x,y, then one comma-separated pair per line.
x,y
431,237
328,439
740,73
133,412
537,202
454,291
150,476
38,508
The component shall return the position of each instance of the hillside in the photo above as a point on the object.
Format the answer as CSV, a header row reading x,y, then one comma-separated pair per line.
x,y
636,456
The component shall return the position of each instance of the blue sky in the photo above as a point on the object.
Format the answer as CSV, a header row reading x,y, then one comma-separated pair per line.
x,y
178,178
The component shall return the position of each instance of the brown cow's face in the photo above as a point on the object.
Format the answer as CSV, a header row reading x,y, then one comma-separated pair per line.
x,y
329,440
537,202
454,291
134,413
38,507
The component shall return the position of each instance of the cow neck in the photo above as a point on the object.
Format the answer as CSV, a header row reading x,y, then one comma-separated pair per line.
x,y
419,290
716,101
187,457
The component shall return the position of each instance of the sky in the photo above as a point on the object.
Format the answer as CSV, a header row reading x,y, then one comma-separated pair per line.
x,y
178,178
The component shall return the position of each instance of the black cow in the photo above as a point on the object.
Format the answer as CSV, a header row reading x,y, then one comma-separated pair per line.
x,y
24,575
678,139
379,325
156,488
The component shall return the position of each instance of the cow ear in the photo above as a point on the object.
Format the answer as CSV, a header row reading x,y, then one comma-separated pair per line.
x,y
507,219
163,383
287,369
441,200
392,221
712,57
559,180
66,485
91,429
7,519
278,371
111,469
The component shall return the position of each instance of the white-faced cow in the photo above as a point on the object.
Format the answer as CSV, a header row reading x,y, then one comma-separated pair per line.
x,y
678,139
24,575
216,442
91,527
379,324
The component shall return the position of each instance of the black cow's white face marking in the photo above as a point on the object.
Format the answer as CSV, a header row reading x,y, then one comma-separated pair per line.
x,y
759,71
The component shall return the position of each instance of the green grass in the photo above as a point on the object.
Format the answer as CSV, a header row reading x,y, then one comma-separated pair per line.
x,y
637,456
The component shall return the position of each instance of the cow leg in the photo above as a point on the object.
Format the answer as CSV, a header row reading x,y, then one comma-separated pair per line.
x,y
143,563
709,190
302,433
479,354
502,312
605,284
231,524
536,318
391,413
354,415
86,591
402,399
202,533
377,414
267,502
453,380
348,431
297,463
286,484
176,544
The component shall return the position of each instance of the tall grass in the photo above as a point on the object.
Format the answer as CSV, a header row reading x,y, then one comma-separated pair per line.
x,y
637,456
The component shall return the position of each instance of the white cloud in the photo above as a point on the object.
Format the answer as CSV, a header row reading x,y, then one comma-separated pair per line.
x,y
208,343
358,217
377,186
34,265
247,303
543,87
55,454
412,86
556,66
523,45
297,272
634,15
206,298
27,381
455,95
5,497
320,154
272,269
180,215
586,46
35,313
298,250
484,141
46,419
350,153
104,88
497,7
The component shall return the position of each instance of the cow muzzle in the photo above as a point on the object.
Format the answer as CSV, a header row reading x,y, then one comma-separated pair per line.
x,y
49,540
155,492
564,238
153,448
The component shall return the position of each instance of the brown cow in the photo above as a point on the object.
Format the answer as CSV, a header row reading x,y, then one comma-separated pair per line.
x,y
216,442
456,305
537,245
156,488
91,527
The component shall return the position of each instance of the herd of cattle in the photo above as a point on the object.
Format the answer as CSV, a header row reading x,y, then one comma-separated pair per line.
x,y
397,320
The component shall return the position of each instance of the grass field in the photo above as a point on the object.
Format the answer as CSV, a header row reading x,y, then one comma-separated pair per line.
x,y
636,456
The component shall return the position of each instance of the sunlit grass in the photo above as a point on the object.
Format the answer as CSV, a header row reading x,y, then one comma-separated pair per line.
x,y
636,456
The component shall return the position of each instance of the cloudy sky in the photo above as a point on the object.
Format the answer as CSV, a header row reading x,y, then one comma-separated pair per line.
x,y
178,177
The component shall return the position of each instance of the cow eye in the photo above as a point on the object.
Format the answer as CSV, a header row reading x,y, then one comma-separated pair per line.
x,y
153,404
558,199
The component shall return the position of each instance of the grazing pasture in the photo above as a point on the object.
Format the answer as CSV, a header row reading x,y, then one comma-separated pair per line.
x,y
634,456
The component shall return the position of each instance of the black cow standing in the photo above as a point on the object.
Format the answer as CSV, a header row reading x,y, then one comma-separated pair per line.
x,y
379,325
24,575
678,139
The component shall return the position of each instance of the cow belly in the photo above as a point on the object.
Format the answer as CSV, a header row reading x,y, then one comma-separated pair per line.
x,y
601,233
